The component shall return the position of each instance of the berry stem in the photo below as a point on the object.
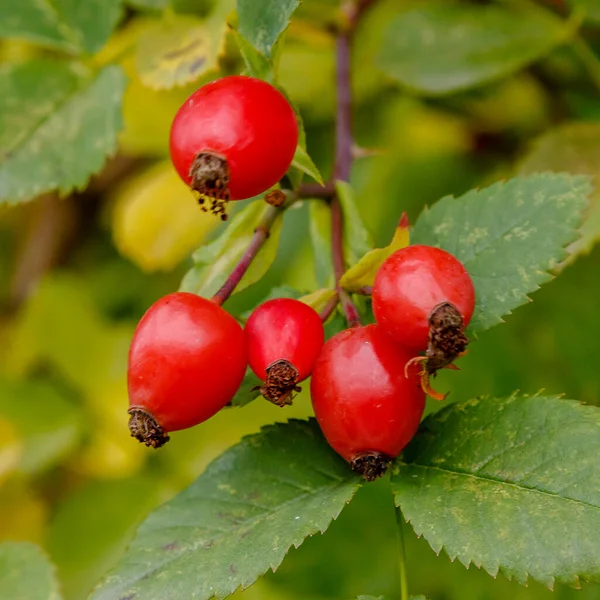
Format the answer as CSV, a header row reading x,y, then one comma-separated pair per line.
x,y
261,234
401,554
343,152
329,308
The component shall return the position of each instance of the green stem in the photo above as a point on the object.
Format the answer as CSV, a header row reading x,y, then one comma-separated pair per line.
x,y
401,554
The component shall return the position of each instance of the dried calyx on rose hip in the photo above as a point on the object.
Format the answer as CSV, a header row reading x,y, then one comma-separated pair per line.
x,y
232,139
365,405
283,339
186,362
424,298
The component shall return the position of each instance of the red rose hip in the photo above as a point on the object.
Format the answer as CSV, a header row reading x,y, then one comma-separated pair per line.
x,y
413,282
233,138
283,339
186,362
367,408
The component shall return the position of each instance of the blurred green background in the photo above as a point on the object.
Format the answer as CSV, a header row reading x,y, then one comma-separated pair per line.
x,y
77,273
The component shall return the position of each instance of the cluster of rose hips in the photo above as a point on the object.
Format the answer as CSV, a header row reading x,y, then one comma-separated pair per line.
x,y
188,356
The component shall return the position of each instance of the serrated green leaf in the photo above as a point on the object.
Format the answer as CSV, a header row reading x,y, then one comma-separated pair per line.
x,y
238,520
47,425
176,51
257,64
304,163
247,391
261,22
319,215
509,485
572,147
61,143
444,47
508,236
70,25
363,273
214,262
26,573
357,239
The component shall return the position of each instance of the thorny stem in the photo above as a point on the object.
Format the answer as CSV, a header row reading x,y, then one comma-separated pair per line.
x,y
261,234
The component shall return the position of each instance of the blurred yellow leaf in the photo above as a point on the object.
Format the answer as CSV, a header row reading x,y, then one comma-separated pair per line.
x,y
362,274
177,50
318,299
28,514
10,449
157,221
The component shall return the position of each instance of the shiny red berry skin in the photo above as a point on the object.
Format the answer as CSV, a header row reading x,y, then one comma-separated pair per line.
x,y
361,397
244,120
186,361
286,329
410,284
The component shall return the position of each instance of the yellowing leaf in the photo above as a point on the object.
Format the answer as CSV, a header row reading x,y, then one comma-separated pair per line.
x,y
10,449
178,50
363,272
318,299
157,221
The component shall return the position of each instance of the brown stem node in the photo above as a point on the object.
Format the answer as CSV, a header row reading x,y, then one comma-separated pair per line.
x,y
370,465
280,383
144,428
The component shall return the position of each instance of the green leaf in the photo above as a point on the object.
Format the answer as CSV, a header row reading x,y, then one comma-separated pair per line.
x,y
70,25
509,485
154,5
26,573
590,8
247,391
257,64
261,22
238,520
178,50
319,299
572,147
357,239
214,262
508,236
62,141
363,273
304,163
48,426
320,237
445,47
85,543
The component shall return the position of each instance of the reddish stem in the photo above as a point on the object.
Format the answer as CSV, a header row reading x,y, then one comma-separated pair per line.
x,y
329,308
261,234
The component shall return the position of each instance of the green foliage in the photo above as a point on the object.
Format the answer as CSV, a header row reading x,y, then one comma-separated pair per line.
x,y
46,424
26,574
508,485
357,239
304,163
508,236
239,519
68,25
67,125
248,390
573,147
213,262
263,21
444,47
320,236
